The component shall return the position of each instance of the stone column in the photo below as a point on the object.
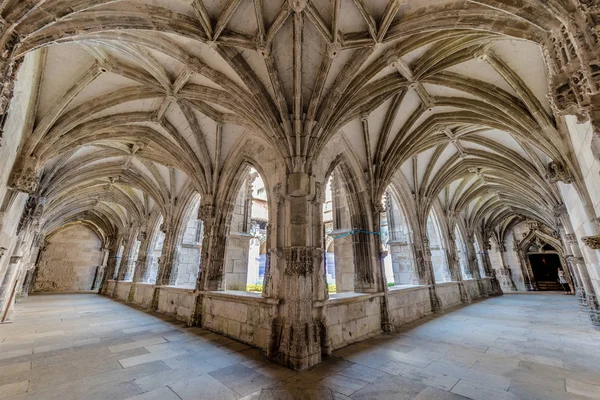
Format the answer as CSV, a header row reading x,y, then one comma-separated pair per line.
x,y
425,269
525,270
8,286
472,264
504,273
588,290
167,262
302,281
112,264
454,267
142,264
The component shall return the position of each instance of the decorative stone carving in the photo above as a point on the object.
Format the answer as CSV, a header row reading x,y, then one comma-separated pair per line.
x,y
25,175
556,172
299,260
593,242
559,210
571,238
15,259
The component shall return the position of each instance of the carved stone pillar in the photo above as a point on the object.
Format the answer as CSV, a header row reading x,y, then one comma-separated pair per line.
x,y
142,264
298,332
505,274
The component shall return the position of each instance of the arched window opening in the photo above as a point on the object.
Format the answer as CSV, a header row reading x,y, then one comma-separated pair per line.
x,y
188,260
246,255
155,253
438,252
396,240
339,260
461,252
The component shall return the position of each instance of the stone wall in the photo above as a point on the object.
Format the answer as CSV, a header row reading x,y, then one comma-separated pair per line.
x,y
472,288
143,294
176,302
69,261
245,317
448,293
581,136
122,290
188,265
352,319
408,304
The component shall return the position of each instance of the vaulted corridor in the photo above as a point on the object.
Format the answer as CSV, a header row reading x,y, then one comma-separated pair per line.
x,y
65,347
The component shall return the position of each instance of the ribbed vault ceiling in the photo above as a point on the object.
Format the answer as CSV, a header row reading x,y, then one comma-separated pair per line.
x,y
142,102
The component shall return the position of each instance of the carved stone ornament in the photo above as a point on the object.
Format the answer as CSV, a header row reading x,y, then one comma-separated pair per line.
x,y
571,238
206,212
299,260
556,172
25,175
2,251
593,242
142,236
15,259
559,210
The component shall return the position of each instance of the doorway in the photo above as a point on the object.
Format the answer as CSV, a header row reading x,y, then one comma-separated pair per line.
x,y
545,270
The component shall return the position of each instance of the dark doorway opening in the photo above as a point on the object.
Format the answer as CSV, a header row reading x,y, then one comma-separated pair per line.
x,y
545,270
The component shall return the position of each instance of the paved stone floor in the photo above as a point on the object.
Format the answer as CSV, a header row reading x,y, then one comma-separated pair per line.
x,y
525,346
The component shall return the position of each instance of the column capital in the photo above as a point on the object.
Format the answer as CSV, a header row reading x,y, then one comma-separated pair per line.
x,y
25,175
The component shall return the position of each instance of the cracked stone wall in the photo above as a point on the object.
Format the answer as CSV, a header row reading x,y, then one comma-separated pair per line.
x,y
69,262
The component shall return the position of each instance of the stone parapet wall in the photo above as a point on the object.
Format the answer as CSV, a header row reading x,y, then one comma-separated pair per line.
x,y
472,288
242,316
352,319
408,304
449,294
110,286
248,317
176,302
122,290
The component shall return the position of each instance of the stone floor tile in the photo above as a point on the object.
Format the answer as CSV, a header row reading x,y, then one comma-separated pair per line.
x,y
150,357
583,389
133,345
164,393
11,369
437,394
390,387
13,389
481,392
363,373
483,378
203,387
241,379
343,384
424,376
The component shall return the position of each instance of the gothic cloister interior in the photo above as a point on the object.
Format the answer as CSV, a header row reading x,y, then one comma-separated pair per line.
x,y
281,199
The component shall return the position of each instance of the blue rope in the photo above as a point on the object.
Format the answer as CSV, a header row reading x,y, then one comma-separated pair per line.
x,y
353,231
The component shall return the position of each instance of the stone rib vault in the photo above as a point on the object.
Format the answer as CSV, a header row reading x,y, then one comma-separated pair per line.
x,y
474,120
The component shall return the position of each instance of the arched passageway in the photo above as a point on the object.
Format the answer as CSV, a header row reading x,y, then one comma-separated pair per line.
x,y
299,175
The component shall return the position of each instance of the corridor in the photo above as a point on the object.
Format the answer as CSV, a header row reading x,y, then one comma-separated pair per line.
x,y
84,346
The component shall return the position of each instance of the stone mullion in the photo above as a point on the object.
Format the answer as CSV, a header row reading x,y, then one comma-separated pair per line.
x,y
489,270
